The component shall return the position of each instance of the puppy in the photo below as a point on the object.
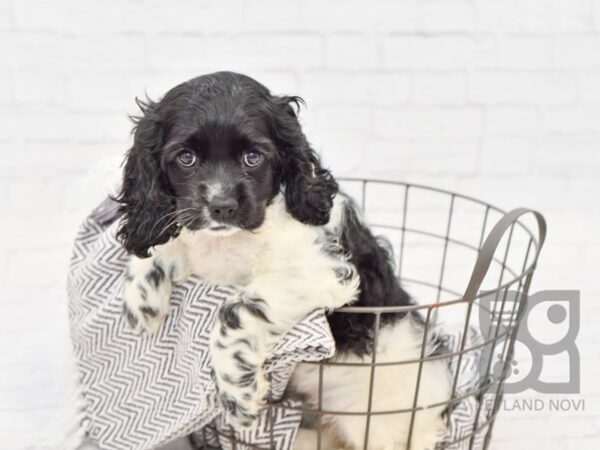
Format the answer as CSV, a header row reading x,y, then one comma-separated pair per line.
x,y
222,183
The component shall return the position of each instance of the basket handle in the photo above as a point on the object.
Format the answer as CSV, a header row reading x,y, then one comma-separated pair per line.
x,y
488,249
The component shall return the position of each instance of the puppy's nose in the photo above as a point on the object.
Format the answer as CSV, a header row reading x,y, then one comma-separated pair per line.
x,y
222,208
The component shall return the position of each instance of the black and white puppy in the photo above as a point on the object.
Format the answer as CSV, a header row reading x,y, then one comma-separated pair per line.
x,y
222,183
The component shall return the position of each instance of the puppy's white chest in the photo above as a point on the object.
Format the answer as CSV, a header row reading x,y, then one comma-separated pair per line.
x,y
221,260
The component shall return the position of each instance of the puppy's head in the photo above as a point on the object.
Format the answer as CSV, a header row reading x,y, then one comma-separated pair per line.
x,y
210,156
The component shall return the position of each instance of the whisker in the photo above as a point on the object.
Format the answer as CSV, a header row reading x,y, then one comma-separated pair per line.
x,y
168,225
173,216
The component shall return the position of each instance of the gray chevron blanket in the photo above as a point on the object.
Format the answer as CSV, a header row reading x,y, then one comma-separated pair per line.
x,y
140,391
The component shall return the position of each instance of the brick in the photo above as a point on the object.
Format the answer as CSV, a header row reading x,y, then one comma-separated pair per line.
x,y
446,15
596,15
589,90
411,122
512,120
24,236
157,83
33,199
48,126
569,155
571,120
6,86
534,191
341,118
51,265
507,155
399,158
344,151
388,88
43,50
427,52
33,125
440,88
5,14
105,52
575,17
97,127
534,16
43,86
47,158
278,82
184,16
583,195
281,16
352,52
81,16
105,90
340,15
581,52
356,88
528,52
31,49
241,53
523,87
438,52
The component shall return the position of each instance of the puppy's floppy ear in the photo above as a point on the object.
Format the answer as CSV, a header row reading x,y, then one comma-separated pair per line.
x,y
309,188
145,196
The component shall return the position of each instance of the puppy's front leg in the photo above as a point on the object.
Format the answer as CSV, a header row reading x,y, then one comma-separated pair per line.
x,y
239,343
249,326
148,285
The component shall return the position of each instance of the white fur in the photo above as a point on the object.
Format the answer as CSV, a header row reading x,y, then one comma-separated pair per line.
x,y
347,389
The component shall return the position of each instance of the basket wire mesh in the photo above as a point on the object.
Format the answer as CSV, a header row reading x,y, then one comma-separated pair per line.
x,y
501,247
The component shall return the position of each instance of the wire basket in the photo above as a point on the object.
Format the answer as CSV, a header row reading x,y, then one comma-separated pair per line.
x,y
437,236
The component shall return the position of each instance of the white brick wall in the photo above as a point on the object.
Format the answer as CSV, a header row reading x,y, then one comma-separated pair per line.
x,y
499,99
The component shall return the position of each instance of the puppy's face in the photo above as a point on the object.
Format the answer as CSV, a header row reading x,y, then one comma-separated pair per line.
x,y
210,156
223,170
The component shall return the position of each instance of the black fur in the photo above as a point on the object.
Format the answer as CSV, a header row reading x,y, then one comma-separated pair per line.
x,y
229,314
218,118
149,311
143,292
156,276
131,319
255,308
145,194
379,286
242,363
310,188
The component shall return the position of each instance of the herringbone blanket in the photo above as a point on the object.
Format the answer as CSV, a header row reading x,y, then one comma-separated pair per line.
x,y
141,391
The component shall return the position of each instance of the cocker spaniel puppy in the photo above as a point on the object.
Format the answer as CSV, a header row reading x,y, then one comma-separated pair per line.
x,y
222,183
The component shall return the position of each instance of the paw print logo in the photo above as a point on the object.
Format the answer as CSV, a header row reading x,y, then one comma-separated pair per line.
x,y
548,330
501,367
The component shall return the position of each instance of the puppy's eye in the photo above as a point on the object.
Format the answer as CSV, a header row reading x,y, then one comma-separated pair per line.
x,y
252,159
186,158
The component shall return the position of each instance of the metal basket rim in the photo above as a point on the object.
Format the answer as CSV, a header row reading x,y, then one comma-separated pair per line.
x,y
459,299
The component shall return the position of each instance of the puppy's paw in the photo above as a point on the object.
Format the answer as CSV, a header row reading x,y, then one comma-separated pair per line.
x,y
242,391
241,412
237,414
146,297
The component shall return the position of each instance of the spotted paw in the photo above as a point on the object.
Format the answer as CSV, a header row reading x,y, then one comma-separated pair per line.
x,y
242,399
146,297
238,414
